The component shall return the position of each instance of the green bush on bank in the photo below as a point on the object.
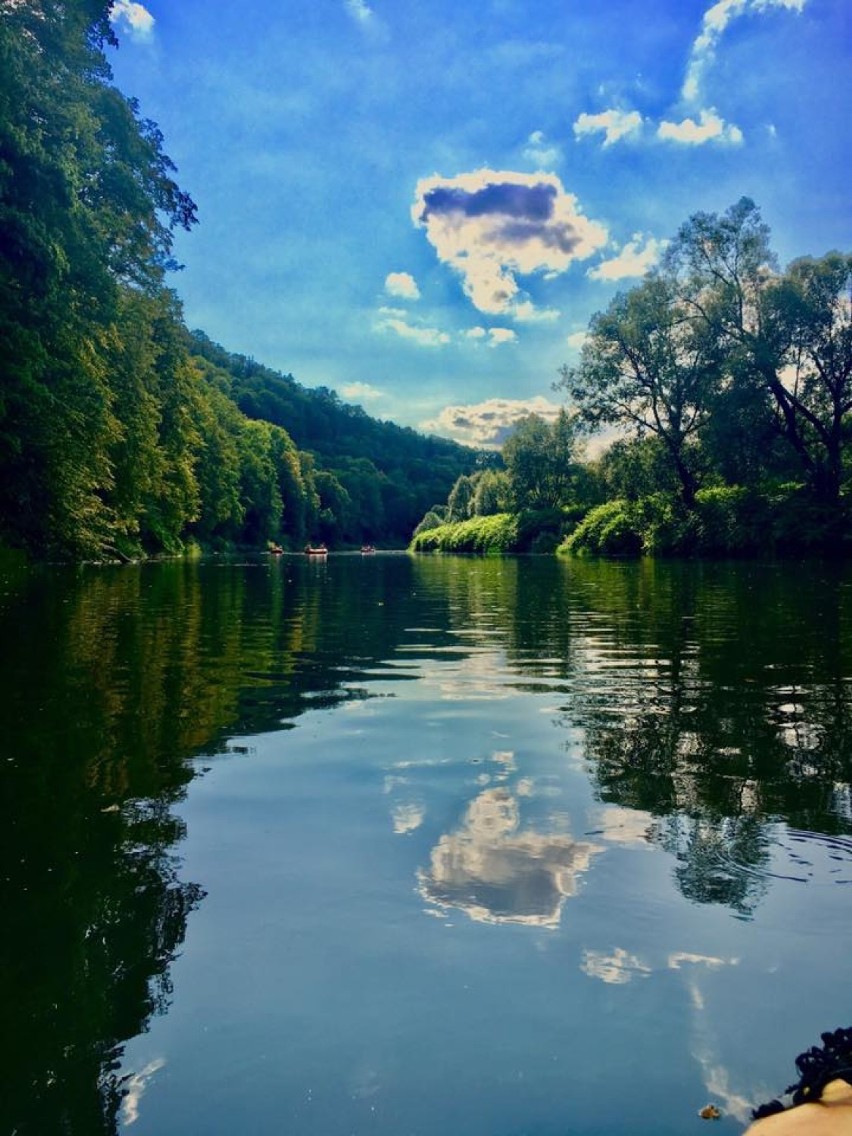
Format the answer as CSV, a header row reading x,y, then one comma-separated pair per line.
x,y
533,530
607,530
727,520
497,533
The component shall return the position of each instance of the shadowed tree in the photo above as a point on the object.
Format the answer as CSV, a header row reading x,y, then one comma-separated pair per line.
x,y
650,365
788,335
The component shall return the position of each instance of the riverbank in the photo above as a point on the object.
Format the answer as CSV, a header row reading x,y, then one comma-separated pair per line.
x,y
724,521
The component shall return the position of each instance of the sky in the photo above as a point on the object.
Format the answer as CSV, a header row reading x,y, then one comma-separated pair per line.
x,y
422,206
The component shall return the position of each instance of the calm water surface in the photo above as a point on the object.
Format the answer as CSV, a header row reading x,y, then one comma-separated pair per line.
x,y
442,847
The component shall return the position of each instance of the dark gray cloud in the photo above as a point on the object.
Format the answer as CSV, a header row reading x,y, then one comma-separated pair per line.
x,y
530,202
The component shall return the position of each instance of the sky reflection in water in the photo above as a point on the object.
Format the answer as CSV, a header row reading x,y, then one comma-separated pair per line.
x,y
621,791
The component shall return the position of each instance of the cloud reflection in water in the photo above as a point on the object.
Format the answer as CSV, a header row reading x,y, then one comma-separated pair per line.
x,y
497,874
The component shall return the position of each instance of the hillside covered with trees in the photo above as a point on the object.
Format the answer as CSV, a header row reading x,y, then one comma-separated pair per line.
x,y
122,434
728,386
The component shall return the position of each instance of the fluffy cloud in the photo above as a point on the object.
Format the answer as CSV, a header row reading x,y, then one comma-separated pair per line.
x,y
132,18
713,25
576,339
496,872
494,335
501,335
540,152
402,285
491,226
709,128
613,124
527,312
361,392
633,260
359,11
395,320
488,424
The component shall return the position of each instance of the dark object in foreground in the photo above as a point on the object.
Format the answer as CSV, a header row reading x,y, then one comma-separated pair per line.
x,y
818,1067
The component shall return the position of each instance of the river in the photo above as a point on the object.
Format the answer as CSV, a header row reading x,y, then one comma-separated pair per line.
x,y
432,846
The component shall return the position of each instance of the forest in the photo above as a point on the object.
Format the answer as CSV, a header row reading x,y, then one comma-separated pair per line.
x,y
723,386
122,433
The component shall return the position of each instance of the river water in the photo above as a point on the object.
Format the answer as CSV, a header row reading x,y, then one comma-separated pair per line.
x,y
435,846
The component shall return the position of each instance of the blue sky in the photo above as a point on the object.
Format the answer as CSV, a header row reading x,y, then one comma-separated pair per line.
x,y
421,206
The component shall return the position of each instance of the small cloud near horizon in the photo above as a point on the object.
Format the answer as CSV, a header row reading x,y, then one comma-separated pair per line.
x,y
361,392
487,425
632,260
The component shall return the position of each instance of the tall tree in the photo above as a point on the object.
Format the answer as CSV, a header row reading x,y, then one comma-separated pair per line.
x,y
788,334
87,206
650,365
539,459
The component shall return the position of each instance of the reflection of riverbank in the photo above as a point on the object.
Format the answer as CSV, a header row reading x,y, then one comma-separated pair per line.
x,y
497,874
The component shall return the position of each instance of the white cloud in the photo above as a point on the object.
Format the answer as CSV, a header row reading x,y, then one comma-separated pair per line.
x,y
359,11
576,339
360,392
403,285
501,335
476,333
407,818
713,26
133,18
613,124
491,226
395,320
488,424
633,260
540,152
527,312
709,128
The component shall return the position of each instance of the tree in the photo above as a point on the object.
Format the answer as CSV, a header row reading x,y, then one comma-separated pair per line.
x,y
87,207
650,364
787,334
539,459
492,493
460,500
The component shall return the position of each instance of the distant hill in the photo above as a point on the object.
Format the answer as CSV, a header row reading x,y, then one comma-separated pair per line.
x,y
390,474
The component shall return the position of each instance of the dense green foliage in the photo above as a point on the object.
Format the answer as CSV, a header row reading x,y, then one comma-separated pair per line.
x,y
725,520
120,434
732,382
531,530
525,507
497,533
378,478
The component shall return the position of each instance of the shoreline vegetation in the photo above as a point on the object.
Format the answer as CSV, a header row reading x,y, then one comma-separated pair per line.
x,y
723,383
725,386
